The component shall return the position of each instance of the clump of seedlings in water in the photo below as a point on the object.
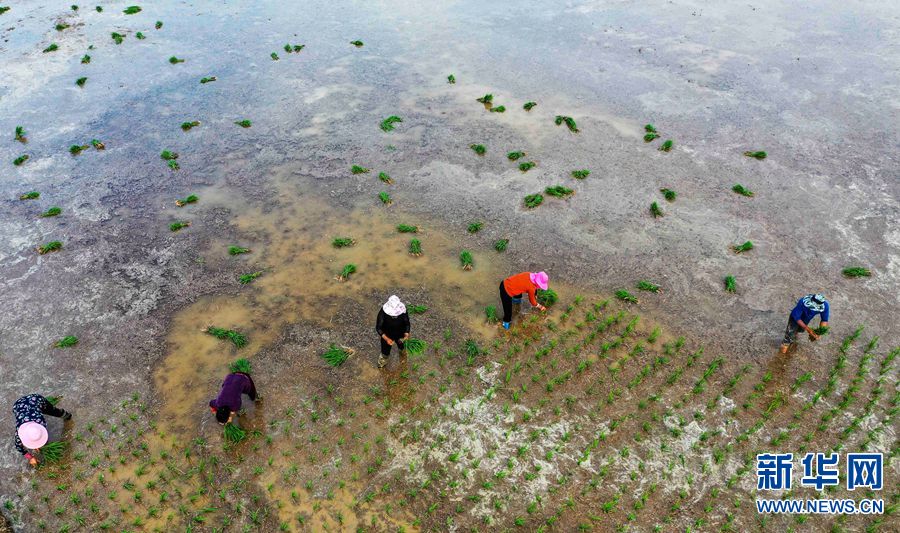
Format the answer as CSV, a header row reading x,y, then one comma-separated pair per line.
x,y
244,279
336,355
236,338
856,272
741,248
649,128
651,133
356,169
569,122
179,225
546,297
52,48
406,228
626,296
465,260
4,9
186,126
66,342
501,245
98,144
21,159
581,174
383,176
76,149
233,433
655,210
51,212
515,156
645,285
140,35
559,191
274,56
486,99
85,59
99,9
451,79
61,26
498,109
356,43
388,123
475,227
294,48
743,191
666,146
170,158
669,194
385,198
348,269
131,10
33,195
730,284
415,247
190,199
478,148
52,246
243,123
534,200
529,106
237,250
342,242
158,24
208,80
20,134
756,155
117,37
527,165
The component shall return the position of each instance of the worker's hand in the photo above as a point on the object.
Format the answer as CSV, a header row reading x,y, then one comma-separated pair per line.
x,y
387,340
33,461
406,336
542,308
812,336
258,399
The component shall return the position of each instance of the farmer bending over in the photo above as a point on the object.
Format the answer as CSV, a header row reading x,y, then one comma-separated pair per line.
x,y
392,326
806,309
31,427
512,288
229,399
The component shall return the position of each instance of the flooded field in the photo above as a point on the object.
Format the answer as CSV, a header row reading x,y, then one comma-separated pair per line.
x,y
602,414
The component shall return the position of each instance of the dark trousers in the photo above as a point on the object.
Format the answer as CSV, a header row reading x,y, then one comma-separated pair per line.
x,y
52,410
790,333
386,348
506,299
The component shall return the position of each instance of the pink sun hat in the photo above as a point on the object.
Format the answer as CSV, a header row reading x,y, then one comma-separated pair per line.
x,y
32,435
540,279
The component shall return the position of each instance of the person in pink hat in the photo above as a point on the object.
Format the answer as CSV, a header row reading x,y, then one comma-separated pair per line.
x,y
392,325
31,427
513,287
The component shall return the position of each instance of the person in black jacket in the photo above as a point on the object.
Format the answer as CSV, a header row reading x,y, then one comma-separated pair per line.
x,y
392,326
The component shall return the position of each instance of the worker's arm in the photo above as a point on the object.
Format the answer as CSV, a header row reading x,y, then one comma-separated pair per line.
x,y
532,297
250,388
379,322
406,325
807,329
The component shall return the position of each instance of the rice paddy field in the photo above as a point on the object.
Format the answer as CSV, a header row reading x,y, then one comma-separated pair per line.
x,y
191,183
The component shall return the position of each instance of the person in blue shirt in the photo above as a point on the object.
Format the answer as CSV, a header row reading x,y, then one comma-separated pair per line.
x,y
806,309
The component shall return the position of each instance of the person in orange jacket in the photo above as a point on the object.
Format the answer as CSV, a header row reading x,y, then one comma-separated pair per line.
x,y
513,287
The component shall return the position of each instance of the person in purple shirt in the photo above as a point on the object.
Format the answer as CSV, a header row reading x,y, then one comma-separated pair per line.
x,y
806,309
228,402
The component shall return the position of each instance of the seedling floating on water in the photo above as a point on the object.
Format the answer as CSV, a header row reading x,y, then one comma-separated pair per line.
x,y
626,296
669,194
174,60
233,433
191,199
534,200
117,37
415,248
650,128
581,174
856,272
274,56
647,286
85,59
66,342
569,121
666,146
356,169
648,137
529,106
140,35
559,191
4,9
33,195
501,245
451,79
51,246
131,10
475,227
655,210
173,164
21,159
546,297
478,148
294,48
526,166
346,271
513,156
406,228
740,248
168,155
466,260
356,43
388,123
385,178
342,242
385,198
207,80
61,26
243,123
98,144
188,125
756,155
740,189
486,99
498,109
76,149
158,24
20,134
336,355
52,212
237,250
244,279
730,284
52,48
238,339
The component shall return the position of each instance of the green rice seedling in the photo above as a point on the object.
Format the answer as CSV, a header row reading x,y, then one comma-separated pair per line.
x,y
730,284
53,400
513,156
526,166
173,164
85,59
669,194
140,35
626,296
856,272
61,26
233,433
475,227
388,123
336,355
498,109
74,7
287,48
356,43
569,122
649,137
490,313
4,9
186,126
52,246
240,365
649,128
238,339
52,452
243,123
168,155
743,191
741,248
415,346
406,228
177,226
534,200
348,269
356,169
416,309
237,250
158,24
655,210
415,247
486,99
76,149
208,80
51,212
546,297
756,155
466,260
98,144
297,47
117,37
385,198
52,48
245,279
20,134
645,285
581,174
821,330
478,148
666,146
131,10
529,106
451,79
501,245
66,342
342,242
383,176
559,191
21,159
99,9
33,195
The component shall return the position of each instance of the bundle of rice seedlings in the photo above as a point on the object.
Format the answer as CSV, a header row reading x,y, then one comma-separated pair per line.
x,y
475,227
513,156
385,198
178,225
51,246
856,272
534,200
233,433
385,178
655,210
478,148
53,400
158,24
416,309
51,212
342,242
529,106
4,9
490,313
501,245
99,9
190,199
173,165
730,284
98,144
498,109
244,279
756,155
559,191
168,155
466,260
821,330
740,248
348,269
74,8
274,56
406,228
649,137
740,189
52,48
20,134
131,10
140,35
117,37
451,79
238,339
76,149
336,355
66,342
21,159
356,43
647,286
569,121
669,194
240,365
486,99
415,346
626,296
208,79
666,146
85,59
388,123
526,166
581,174
244,123
33,195
186,126
546,297
415,247
237,250
356,169
52,452
649,128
